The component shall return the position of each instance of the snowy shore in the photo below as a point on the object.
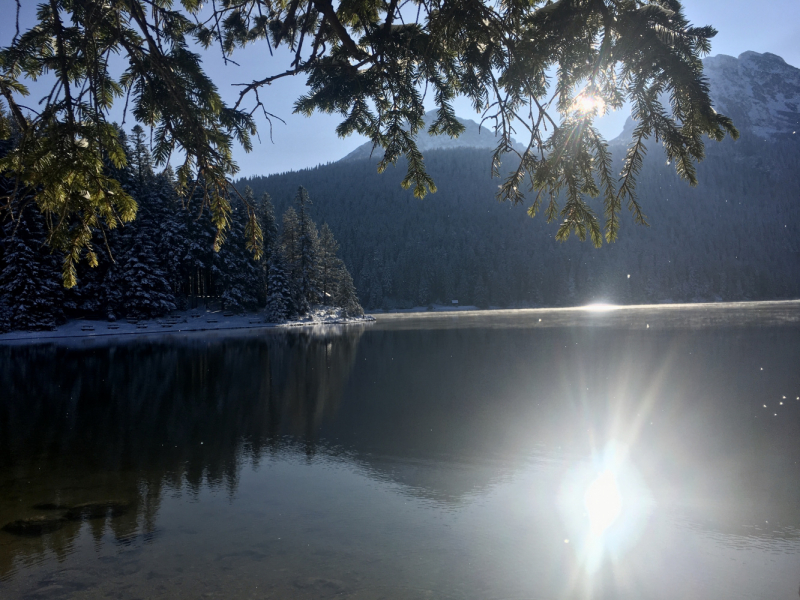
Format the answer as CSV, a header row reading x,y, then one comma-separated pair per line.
x,y
178,322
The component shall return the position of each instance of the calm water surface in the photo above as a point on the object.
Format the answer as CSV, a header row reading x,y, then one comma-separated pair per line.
x,y
423,456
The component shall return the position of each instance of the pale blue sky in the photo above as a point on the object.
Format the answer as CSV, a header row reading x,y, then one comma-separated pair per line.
x,y
761,25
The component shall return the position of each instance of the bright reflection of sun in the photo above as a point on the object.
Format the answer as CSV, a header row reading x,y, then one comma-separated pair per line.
x,y
588,103
600,307
603,502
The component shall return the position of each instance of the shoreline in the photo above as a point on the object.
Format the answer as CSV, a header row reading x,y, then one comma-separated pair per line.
x,y
217,321
190,321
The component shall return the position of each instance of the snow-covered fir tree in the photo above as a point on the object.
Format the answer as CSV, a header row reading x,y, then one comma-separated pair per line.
x,y
328,264
346,297
306,268
197,277
173,239
165,259
269,229
145,289
279,300
236,274
143,283
304,265
31,290
290,234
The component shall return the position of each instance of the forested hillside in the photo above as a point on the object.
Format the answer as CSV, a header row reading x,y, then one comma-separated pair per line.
x,y
733,237
736,236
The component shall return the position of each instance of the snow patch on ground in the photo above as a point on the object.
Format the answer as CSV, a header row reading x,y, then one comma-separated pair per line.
x,y
430,308
180,321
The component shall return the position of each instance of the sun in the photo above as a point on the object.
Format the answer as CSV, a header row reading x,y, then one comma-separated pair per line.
x,y
587,104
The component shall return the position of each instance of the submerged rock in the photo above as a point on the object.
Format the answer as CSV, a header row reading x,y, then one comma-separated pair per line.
x,y
96,510
35,526
50,506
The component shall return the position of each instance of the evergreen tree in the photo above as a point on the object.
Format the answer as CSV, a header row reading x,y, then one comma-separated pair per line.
x,y
141,282
30,282
269,228
328,264
139,160
306,272
198,260
145,292
88,298
236,273
113,291
501,57
279,300
290,235
173,240
5,316
267,221
481,294
346,297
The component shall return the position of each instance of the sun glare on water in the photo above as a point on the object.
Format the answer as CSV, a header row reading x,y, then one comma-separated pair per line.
x,y
603,502
600,307
604,505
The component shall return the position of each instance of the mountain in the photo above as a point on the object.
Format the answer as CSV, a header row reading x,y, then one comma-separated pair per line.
x,y
735,236
760,92
474,136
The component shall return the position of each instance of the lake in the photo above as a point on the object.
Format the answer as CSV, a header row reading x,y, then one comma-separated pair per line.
x,y
648,452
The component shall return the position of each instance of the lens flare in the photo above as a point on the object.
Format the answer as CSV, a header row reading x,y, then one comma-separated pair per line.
x,y
603,502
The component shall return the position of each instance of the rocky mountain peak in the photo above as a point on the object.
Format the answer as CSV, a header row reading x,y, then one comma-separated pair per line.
x,y
474,136
760,92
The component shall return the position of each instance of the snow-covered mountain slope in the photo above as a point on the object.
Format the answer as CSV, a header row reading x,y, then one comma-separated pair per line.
x,y
760,92
474,136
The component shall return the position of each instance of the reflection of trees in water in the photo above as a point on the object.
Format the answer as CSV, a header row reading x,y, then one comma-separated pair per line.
x,y
129,423
443,414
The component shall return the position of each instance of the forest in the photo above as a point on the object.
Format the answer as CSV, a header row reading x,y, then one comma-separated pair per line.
x,y
165,259
735,236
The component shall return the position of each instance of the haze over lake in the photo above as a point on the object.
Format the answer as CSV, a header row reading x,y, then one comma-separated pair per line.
x,y
637,453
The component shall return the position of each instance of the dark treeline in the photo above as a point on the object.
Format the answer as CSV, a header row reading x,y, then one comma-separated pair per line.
x,y
164,260
733,237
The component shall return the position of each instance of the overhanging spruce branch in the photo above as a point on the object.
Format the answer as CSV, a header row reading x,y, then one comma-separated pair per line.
x,y
368,63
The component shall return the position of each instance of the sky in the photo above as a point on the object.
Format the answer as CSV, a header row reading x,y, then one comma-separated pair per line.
x,y
301,142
